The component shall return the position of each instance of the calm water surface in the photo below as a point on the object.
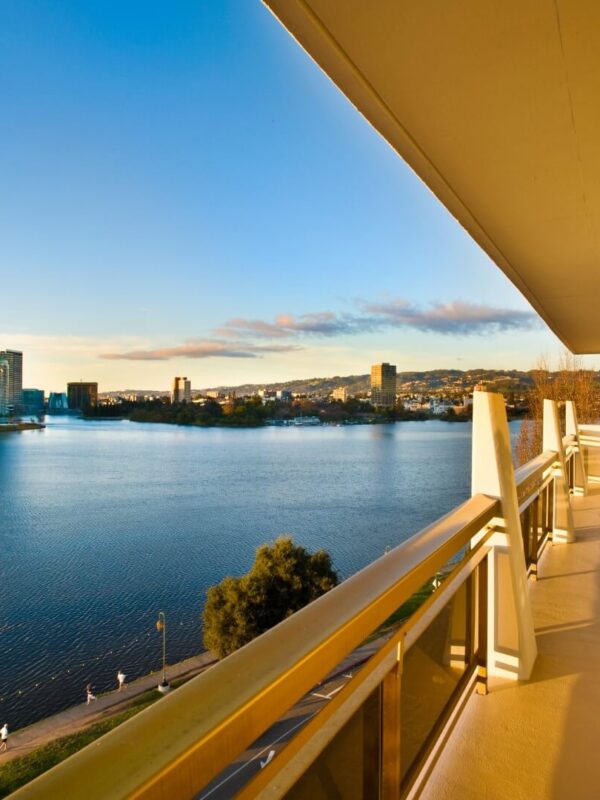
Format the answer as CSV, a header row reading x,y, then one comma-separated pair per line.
x,y
103,524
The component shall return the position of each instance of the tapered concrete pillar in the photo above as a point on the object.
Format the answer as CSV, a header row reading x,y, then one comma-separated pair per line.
x,y
512,648
572,429
564,529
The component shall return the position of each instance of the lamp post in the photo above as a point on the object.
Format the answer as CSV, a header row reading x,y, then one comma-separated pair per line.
x,y
161,625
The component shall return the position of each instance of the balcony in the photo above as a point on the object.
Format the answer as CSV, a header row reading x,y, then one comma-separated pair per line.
x,y
491,672
490,688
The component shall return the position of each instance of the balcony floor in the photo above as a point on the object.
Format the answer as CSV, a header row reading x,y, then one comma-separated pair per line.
x,y
540,739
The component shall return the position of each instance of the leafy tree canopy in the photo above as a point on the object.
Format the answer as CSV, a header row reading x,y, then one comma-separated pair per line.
x,y
284,578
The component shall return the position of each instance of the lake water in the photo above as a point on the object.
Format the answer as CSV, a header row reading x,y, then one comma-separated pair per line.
x,y
105,523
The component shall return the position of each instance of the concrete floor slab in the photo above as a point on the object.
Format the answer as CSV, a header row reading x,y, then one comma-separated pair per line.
x,y
540,739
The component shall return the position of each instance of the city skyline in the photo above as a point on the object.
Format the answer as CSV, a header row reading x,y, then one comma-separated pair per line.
x,y
190,219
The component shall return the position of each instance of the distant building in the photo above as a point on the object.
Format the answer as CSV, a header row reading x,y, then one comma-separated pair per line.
x,y
82,395
3,387
267,395
383,384
214,394
14,379
284,395
33,401
58,402
441,406
341,394
182,390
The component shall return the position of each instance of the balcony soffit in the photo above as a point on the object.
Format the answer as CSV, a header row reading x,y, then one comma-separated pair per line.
x,y
495,105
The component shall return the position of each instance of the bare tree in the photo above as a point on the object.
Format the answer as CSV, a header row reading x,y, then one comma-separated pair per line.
x,y
570,382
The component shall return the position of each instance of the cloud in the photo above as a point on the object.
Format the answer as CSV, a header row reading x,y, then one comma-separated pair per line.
x,y
209,348
455,318
450,319
320,323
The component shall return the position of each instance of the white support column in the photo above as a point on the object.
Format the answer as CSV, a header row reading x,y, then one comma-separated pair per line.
x,y
572,428
512,648
564,529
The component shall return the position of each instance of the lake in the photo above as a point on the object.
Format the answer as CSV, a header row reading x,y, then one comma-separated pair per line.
x,y
105,523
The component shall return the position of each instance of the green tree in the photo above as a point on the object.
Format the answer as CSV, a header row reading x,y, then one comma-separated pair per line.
x,y
284,578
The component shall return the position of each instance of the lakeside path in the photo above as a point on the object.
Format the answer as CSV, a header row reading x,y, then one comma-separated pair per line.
x,y
79,717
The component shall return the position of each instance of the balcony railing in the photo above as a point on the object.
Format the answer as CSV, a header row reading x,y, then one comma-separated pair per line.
x,y
380,734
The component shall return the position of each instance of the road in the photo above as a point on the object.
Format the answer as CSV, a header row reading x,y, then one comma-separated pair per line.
x,y
239,772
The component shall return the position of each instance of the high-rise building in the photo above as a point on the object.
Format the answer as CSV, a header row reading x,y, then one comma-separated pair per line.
x,y
82,395
383,384
3,387
14,390
181,391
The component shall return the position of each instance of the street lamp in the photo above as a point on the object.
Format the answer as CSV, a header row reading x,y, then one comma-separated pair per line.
x,y
161,625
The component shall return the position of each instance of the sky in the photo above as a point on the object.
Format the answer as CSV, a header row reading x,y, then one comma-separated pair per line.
x,y
184,192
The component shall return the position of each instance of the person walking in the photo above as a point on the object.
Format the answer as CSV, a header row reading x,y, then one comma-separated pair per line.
x,y
121,679
4,738
90,695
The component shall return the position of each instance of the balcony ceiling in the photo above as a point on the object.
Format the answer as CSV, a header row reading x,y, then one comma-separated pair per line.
x,y
496,106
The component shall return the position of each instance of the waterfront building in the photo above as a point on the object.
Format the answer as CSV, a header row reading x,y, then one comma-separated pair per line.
x,y
14,385
341,394
182,390
3,387
383,384
82,394
33,401
58,402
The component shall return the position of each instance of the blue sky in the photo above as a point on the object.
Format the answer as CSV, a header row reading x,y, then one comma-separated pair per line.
x,y
184,192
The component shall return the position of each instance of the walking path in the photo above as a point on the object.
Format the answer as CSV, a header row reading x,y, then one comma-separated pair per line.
x,y
81,716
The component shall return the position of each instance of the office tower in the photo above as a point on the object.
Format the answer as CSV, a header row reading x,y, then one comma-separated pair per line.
x,y
33,401
181,391
82,395
383,384
3,387
14,359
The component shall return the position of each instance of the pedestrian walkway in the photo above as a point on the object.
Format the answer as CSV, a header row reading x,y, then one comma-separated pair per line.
x,y
81,716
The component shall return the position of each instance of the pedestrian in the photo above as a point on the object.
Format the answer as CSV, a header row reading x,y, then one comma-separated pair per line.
x,y
90,695
121,679
4,737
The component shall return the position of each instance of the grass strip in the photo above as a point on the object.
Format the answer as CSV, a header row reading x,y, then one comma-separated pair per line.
x,y
21,770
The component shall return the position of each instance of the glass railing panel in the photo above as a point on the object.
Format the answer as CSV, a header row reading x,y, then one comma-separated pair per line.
x,y
432,672
349,767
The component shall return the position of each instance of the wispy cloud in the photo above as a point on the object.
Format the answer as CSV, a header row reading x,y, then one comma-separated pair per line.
x,y
208,348
237,338
456,318
320,323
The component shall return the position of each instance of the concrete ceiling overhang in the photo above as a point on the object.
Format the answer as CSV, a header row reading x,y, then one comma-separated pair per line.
x,y
495,104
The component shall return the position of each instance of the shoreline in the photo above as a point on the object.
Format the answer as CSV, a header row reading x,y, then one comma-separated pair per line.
x,y
12,427
78,717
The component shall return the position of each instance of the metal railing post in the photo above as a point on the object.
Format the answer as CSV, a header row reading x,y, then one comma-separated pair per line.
x,y
391,772
580,481
482,625
563,529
